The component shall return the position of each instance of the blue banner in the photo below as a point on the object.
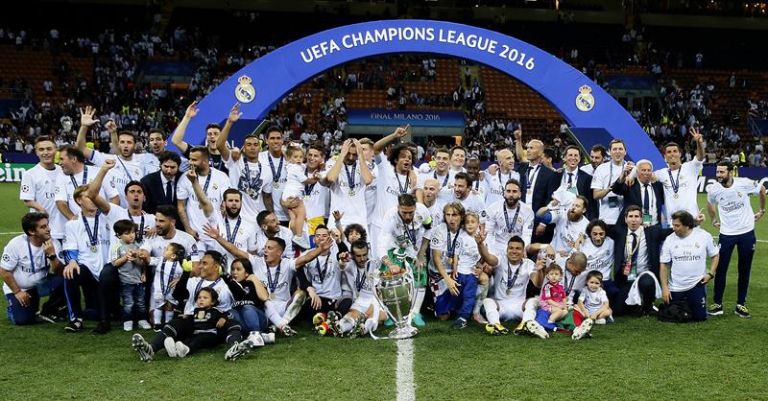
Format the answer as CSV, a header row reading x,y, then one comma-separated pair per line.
x,y
262,83
396,118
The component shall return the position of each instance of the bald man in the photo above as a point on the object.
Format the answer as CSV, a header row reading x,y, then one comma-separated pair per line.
x,y
496,177
538,182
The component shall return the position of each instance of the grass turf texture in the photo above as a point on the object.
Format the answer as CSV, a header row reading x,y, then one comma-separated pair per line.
x,y
634,359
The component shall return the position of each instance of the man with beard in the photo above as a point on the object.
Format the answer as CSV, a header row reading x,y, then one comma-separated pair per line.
x,y
599,250
441,172
229,222
737,229
160,186
76,174
396,177
212,132
680,180
569,226
497,176
596,158
408,224
26,262
132,167
511,272
462,194
348,189
214,184
165,225
508,218
270,228
644,192
246,172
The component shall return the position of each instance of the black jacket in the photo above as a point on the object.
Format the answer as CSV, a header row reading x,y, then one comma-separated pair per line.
x,y
632,196
155,191
654,238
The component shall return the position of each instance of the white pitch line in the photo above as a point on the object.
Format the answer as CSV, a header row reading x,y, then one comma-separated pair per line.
x,y
12,233
406,388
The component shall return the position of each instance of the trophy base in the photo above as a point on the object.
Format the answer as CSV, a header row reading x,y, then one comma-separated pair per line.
x,y
402,333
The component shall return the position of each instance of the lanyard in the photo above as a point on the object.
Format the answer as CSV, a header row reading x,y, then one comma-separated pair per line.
x,y
675,185
309,187
445,180
85,177
32,258
452,245
247,169
93,236
140,233
360,278
321,273
511,281
410,232
610,174
200,284
351,176
400,184
275,174
510,227
232,236
207,181
502,184
166,287
273,283
569,286
130,178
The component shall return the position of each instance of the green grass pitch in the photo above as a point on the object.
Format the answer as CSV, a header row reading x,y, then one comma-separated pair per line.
x,y
634,359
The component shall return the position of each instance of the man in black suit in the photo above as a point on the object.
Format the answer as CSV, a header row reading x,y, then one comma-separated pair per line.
x,y
160,186
537,181
647,195
571,178
636,250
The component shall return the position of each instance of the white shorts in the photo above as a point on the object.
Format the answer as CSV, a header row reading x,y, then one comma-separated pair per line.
x,y
510,309
362,304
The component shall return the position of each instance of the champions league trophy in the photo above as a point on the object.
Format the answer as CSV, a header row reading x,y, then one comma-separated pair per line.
x,y
396,293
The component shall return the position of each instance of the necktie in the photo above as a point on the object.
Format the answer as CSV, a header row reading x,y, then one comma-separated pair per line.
x,y
169,192
635,249
570,180
646,201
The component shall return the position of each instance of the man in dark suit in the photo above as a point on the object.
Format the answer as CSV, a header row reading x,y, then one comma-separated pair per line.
x,y
647,195
537,182
571,178
637,249
160,186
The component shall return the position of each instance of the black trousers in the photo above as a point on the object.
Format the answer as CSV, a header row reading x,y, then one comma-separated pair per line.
x,y
183,328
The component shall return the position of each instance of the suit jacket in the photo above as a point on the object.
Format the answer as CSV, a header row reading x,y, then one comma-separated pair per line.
x,y
155,191
584,186
654,238
545,185
632,196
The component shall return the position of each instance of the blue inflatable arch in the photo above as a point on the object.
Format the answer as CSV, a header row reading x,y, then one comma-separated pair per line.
x,y
581,102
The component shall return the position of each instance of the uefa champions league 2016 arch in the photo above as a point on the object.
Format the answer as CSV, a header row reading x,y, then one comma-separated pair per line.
x,y
593,115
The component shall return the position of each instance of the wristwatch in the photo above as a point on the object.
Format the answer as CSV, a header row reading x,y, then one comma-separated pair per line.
x,y
711,276
51,256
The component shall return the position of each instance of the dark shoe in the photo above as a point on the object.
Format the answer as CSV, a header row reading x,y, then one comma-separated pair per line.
x,y
74,326
460,323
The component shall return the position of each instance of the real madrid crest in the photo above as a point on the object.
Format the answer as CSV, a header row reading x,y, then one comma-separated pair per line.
x,y
584,100
245,92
